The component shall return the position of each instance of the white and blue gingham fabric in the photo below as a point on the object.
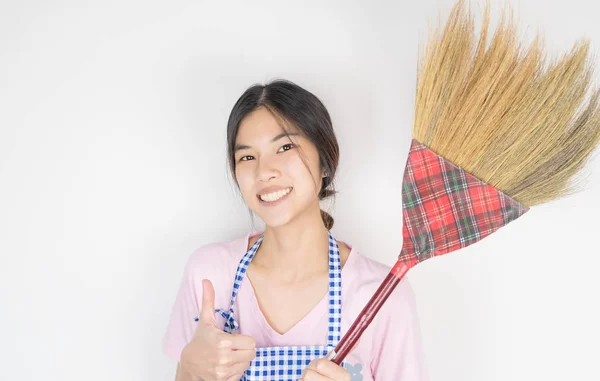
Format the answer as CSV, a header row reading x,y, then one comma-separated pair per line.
x,y
287,363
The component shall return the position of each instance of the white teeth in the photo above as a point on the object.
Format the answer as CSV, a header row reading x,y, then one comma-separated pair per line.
x,y
270,197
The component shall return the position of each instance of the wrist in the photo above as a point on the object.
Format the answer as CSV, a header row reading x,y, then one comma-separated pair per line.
x,y
184,375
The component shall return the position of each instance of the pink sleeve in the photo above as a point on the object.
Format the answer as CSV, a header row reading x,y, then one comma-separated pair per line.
x,y
181,325
399,355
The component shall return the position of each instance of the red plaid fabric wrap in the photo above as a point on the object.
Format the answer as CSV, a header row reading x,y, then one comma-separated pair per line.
x,y
445,208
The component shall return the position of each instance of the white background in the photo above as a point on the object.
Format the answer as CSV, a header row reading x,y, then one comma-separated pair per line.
x,y
113,170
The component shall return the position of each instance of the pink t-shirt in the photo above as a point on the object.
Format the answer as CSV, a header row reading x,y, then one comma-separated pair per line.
x,y
389,349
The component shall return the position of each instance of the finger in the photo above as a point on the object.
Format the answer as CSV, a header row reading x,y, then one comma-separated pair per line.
x,y
243,355
240,368
311,375
326,368
230,357
207,310
235,377
232,370
240,342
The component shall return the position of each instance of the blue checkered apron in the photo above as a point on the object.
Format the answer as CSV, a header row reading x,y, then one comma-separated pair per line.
x,y
287,363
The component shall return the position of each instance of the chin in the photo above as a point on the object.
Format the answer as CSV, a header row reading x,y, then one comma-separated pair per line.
x,y
275,221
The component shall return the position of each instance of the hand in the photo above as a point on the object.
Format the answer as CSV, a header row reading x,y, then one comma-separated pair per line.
x,y
324,370
212,354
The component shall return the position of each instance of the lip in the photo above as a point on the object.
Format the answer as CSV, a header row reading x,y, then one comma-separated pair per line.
x,y
275,203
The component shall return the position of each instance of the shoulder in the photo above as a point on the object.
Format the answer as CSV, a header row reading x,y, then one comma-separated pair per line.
x,y
217,254
362,273
216,261
369,268
363,277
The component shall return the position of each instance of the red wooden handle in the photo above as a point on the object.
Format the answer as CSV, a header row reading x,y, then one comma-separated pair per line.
x,y
368,313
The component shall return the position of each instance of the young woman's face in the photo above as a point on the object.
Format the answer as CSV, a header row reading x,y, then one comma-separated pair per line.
x,y
275,169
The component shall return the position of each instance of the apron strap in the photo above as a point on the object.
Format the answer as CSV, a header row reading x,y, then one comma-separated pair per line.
x,y
335,292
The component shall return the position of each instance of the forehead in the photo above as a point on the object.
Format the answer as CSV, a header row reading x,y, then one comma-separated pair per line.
x,y
261,125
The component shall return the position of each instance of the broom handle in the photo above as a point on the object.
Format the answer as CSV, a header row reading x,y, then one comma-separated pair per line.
x,y
368,313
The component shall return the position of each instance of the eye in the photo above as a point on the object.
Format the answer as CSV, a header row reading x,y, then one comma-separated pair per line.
x,y
291,145
286,145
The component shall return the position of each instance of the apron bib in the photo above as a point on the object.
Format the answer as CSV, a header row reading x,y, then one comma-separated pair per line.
x,y
287,363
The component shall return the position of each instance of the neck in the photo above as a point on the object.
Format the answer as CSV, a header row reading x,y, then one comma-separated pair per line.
x,y
295,251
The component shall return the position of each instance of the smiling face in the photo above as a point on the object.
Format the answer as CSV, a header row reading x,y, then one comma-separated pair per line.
x,y
272,167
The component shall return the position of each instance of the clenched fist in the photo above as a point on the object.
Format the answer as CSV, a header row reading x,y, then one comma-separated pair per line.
x,y
212,354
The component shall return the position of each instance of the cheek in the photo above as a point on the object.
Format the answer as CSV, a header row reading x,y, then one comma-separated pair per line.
x,y
300,175
306,185
244,181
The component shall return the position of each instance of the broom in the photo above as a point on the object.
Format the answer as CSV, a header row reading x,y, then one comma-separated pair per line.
x,y
494,134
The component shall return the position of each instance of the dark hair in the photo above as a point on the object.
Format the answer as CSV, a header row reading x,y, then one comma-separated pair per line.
x,y
291,104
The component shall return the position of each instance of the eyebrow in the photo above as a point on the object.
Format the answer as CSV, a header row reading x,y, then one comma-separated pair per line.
x,y
239,147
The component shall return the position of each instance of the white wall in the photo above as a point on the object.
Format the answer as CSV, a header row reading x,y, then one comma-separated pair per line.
x,y
112,171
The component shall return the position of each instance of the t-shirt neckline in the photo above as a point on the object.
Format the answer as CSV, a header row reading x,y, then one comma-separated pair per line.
x,y
246,289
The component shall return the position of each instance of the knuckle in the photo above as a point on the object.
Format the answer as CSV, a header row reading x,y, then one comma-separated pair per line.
x,y
221,373
222,342
320,365
224,360
309,375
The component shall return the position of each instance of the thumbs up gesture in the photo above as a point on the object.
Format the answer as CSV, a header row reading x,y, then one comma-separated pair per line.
x,y
212,354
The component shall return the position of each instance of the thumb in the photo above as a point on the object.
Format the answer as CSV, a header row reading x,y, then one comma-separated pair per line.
x,y
207,310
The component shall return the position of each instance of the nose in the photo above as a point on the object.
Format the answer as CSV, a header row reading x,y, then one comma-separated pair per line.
x,y
266,170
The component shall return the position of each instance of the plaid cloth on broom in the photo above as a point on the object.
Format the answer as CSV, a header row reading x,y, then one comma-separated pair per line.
x,y
445,208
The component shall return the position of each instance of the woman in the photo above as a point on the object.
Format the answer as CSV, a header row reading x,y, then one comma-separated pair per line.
x,y
270,305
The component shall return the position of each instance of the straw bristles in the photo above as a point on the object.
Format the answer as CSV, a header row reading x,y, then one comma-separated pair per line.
x,y
499,114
